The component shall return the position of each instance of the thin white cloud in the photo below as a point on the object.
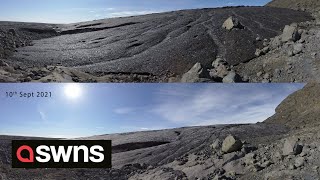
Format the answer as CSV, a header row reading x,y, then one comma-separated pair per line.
x,y
137,128
124,110
129,13
220,105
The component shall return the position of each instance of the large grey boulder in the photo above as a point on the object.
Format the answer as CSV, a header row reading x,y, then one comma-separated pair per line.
x,y
232,23
290,33
291,147
232,77
231,144
196,74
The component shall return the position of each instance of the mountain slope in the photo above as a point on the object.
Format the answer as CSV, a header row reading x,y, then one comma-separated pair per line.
x,y
309,5
158,44
157,153
300,109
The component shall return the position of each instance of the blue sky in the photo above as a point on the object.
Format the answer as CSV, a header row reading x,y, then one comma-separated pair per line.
x,y
114,108
70,11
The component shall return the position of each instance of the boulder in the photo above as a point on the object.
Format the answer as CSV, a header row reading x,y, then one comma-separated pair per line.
x,y
265,50
216,145
258,52
232,77
276,42
218,62
290,33
250,158
219,73
233,156
297,48
299,162
231,144
195,74
291,147
220,69
232,23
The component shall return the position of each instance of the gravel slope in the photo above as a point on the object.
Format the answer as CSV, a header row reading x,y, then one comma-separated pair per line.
x,y
159,44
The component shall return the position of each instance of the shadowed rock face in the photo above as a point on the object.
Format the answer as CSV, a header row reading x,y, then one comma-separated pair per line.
x,y
299,109
160,44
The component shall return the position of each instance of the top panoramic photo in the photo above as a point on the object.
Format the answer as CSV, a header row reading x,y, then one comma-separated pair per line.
x,y
187,41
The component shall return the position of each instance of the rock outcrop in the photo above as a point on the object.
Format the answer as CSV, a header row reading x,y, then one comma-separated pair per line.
x,y
196,74
303,5
300,109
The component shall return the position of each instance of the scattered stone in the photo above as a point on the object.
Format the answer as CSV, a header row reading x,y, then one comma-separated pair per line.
x,y
231,144
290,33
250,158
232,77
290,53
246,148
266,76
195,74
232,23
265,50
276,42
277,72
291,167
216,145
291,147
258,52
255,168
297,48
221,70
299,162
266,164
218,62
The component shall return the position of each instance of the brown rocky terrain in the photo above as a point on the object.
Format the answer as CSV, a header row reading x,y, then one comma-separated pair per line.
x,y
304,5
299,109
285,146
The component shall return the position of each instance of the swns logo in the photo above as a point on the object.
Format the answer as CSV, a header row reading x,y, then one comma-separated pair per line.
x,y
61,154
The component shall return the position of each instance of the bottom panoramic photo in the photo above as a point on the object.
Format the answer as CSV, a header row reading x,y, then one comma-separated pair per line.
x,y
159,131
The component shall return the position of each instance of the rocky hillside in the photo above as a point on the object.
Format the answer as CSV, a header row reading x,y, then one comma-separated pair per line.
x,y
182,153
156,46
309,5
300,109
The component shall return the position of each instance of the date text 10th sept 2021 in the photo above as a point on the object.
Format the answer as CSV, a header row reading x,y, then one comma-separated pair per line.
x,y
28,94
